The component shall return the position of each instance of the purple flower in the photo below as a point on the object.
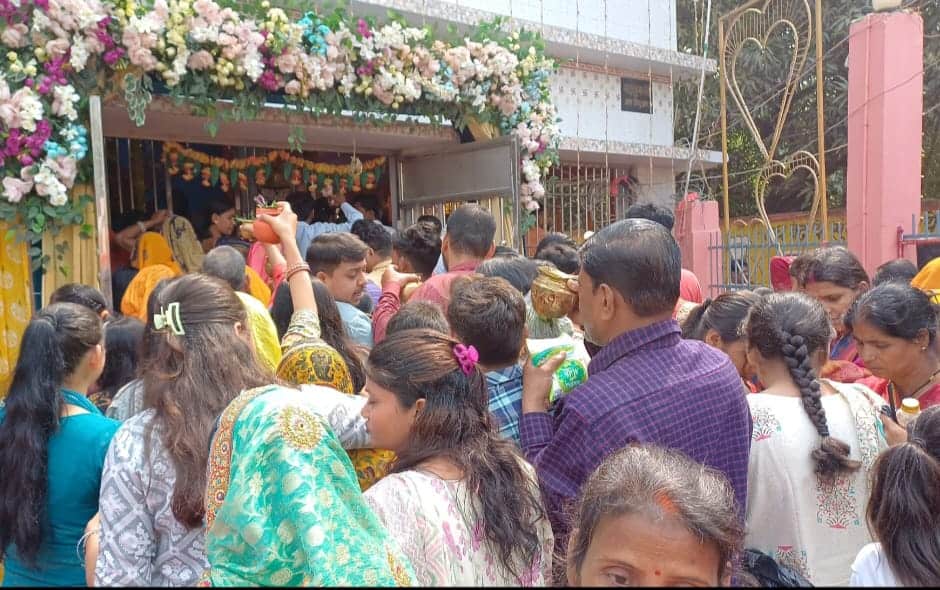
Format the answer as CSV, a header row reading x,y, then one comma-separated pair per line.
x,y
26,160
44,4
362,27
366,69
55,68
14,143
44,127
113,55
268,81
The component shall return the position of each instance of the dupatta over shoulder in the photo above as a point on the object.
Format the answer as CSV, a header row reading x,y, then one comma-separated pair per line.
x,y
283,507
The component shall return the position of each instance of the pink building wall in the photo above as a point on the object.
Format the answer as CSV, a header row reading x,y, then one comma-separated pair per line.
x,y
886,82
698,232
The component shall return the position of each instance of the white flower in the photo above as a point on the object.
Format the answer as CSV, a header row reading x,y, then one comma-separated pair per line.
x,y
253,64
41,22
530,170
30,108
79,56
59,199
64,99
48,185
180,61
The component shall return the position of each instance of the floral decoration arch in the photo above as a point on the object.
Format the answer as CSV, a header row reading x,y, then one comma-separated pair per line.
x,y
58,52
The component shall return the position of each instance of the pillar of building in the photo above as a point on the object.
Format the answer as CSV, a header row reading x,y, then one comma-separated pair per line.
x,y
885,119
698,232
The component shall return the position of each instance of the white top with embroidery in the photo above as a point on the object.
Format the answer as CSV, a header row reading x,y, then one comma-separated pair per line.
x,y
428,517
813,527
871,569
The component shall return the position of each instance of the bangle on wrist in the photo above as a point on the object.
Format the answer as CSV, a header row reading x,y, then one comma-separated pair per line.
x,y
296,268
142,227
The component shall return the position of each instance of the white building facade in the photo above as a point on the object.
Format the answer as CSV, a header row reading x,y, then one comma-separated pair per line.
x,y
614,94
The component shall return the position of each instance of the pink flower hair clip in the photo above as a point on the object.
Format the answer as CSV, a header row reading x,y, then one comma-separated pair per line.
x,y
467,357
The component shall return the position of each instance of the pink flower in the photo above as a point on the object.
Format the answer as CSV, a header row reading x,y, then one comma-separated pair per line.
x,y
210,11
65,169
286,62
362,27
162,10
57,47
15,36
94,44
201,60
15,189
292,87
143,57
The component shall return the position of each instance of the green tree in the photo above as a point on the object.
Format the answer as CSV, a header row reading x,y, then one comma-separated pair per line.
x,y
761,77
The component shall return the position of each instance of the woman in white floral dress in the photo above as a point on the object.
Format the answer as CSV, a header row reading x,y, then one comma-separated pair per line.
x,y
813,444
461,502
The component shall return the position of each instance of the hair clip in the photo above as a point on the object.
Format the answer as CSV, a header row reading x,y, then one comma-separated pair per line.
x,y
467,357
169,318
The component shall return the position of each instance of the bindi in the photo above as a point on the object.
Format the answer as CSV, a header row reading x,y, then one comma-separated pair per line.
x,y
657,572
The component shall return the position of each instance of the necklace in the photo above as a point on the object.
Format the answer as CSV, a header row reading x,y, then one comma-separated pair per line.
x,y
893,389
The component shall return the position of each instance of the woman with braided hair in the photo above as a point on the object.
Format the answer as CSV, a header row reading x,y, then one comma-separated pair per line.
x,y
813,444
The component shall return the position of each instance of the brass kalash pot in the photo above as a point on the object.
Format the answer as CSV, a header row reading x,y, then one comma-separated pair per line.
x,y
551,297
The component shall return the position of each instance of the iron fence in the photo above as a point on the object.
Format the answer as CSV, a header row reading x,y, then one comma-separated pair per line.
x,y
924,236
741,260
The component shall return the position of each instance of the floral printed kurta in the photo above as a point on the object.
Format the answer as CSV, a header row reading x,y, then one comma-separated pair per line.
x,y
813,526
428,518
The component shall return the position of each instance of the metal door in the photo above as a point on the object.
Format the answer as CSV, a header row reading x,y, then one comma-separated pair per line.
x,y
437,181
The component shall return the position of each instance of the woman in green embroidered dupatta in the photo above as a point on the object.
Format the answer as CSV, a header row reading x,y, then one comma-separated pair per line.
x,y
283,506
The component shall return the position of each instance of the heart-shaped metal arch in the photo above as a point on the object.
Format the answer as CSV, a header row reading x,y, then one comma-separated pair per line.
x,y
755,26
801,160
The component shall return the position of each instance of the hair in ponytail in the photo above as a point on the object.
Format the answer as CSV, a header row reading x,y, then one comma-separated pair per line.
x,y
904,507
52,348
725,315
795,327
456,424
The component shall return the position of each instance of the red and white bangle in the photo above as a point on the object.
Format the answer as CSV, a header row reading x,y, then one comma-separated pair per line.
x,y
296,268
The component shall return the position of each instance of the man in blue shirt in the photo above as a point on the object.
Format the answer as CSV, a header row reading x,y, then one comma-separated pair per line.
x,y
489,314
307,232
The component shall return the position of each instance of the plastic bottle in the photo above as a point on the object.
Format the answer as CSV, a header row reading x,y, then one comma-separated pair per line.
x,y
909,410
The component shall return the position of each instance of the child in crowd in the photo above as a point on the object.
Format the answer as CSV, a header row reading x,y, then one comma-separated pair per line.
x,y
479,309
904,512
418,315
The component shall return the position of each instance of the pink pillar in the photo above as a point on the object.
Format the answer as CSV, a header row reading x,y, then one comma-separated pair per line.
x,y
699,235
886,84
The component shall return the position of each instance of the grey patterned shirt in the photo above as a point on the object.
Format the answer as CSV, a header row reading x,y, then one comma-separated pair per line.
x,y
128,401
141,542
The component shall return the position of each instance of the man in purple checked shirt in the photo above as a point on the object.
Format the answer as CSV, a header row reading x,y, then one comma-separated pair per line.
x,y
645,385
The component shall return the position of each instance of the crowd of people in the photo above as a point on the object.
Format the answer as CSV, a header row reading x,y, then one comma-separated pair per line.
x,y
361,406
